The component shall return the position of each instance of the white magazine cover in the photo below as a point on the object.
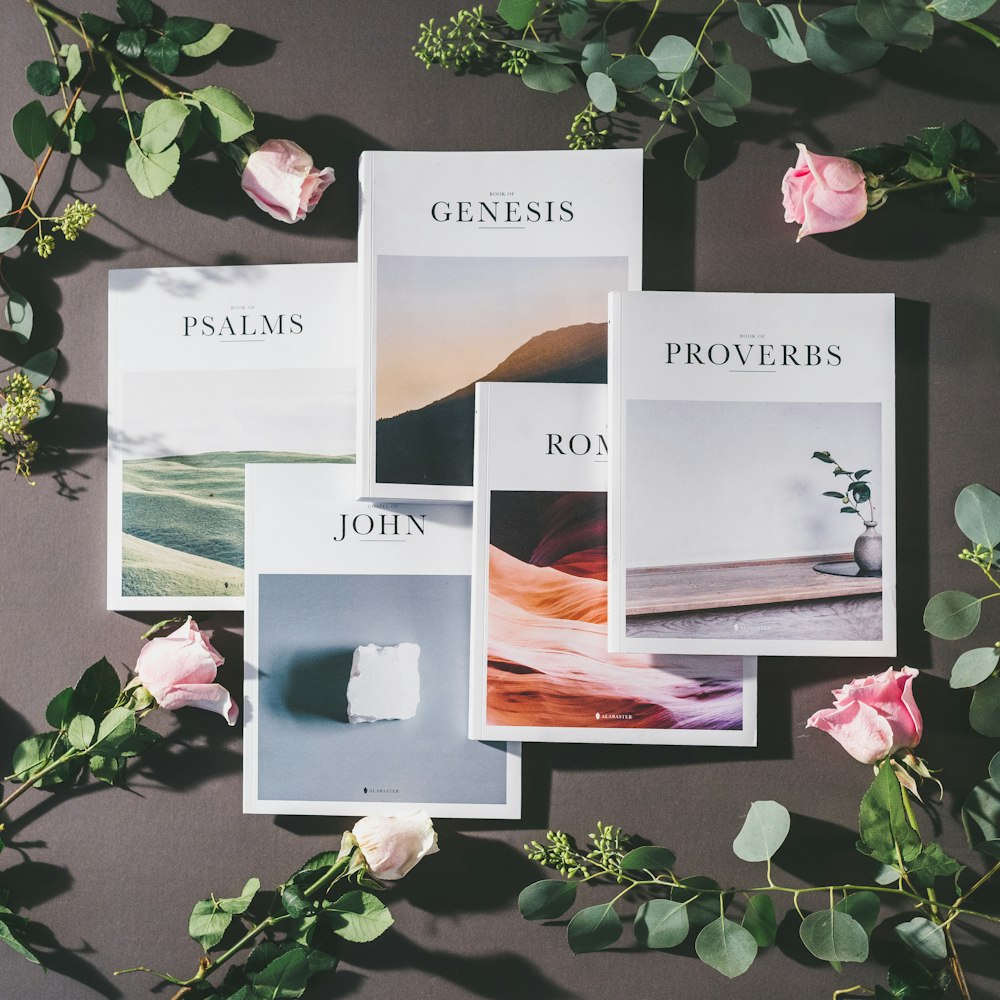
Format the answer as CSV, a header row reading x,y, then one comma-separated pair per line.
x,y
211,368
481,266
752,497
541,669
356,677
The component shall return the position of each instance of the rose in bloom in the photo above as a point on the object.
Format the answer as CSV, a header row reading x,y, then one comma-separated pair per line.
x,y
874,717
179,670
392,845
280,178
823,193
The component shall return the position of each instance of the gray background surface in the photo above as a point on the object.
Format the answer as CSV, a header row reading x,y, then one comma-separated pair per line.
x,y
115,873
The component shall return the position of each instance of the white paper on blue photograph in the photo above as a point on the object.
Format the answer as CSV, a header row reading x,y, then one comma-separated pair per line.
x,y
752,497
210,368
480,266
357,655
541,670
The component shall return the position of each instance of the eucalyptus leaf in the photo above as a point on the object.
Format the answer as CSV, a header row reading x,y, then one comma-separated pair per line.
x,y
757,20
39,367
593,929
632,71
44,77
152,173
834,936
214,40
863,907
596,56
897,22
696,157
788,44
549,78
760,920
732,85
226,117
10,236
517,13
961,10
602,91
648,858
661,923
836,42
32,129
672,55
981,816
924,938
701,894
726,947
984,712
6,201
952,614
546,900
977,513
573,17
80,732
716,113
764,831
46,403
995,769
974,666
20,316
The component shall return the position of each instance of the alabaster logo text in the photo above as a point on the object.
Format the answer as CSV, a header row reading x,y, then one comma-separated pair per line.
x,y
502,208
380,526
380,791
244,321
753,355
576,444
613,716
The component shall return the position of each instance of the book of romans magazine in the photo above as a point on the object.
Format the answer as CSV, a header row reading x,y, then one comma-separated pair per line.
x,y
480,266
752,490
211,368
541,669
357,655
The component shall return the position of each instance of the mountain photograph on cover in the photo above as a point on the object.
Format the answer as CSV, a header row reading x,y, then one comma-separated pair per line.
x,y
547,631
732,530
445,323
189,436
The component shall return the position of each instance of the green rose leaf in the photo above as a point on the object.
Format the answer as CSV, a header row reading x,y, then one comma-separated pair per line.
x,y
294,902
981,815
909,980
358,916
881,159
208,923
834,936
131,42
547,77
863,907
10,236
163,55
836,43
97,690
32,754
701,894
942,148
107,769
11,937
134,12
141,740
977,509
962,10
716,113
931,863
44,77
632,71
61,709
960,198
161,123
241,903
672,56
883,823
651,859
952,614
974,666
116,727
225,116
214,40
761,921
602,91
596,57
661,923
80,732
726,947
968,139
593,929
152,173
824,456
32,129
546,900
573,17
984,712
696,157
788,44
924,938
185,30
96,26
763,832
283,979
39,367
897,22
517,13
732,85
74,61
757,20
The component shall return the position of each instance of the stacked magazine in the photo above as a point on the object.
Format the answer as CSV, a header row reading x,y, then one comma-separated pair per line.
x,y
480,489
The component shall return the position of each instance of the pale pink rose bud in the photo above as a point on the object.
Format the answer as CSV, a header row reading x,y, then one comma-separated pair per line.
x,y
178,670
823,193
874,717
392,845
280,178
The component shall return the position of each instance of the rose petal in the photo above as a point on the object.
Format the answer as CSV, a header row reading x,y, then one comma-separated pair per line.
x,y
211,697
858,728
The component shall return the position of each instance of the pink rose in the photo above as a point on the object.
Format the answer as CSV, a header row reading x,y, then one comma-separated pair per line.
x,y
281,179
178,670
823,193
392,845
874,717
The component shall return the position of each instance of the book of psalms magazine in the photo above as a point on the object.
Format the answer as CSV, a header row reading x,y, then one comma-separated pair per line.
x,y
481,267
